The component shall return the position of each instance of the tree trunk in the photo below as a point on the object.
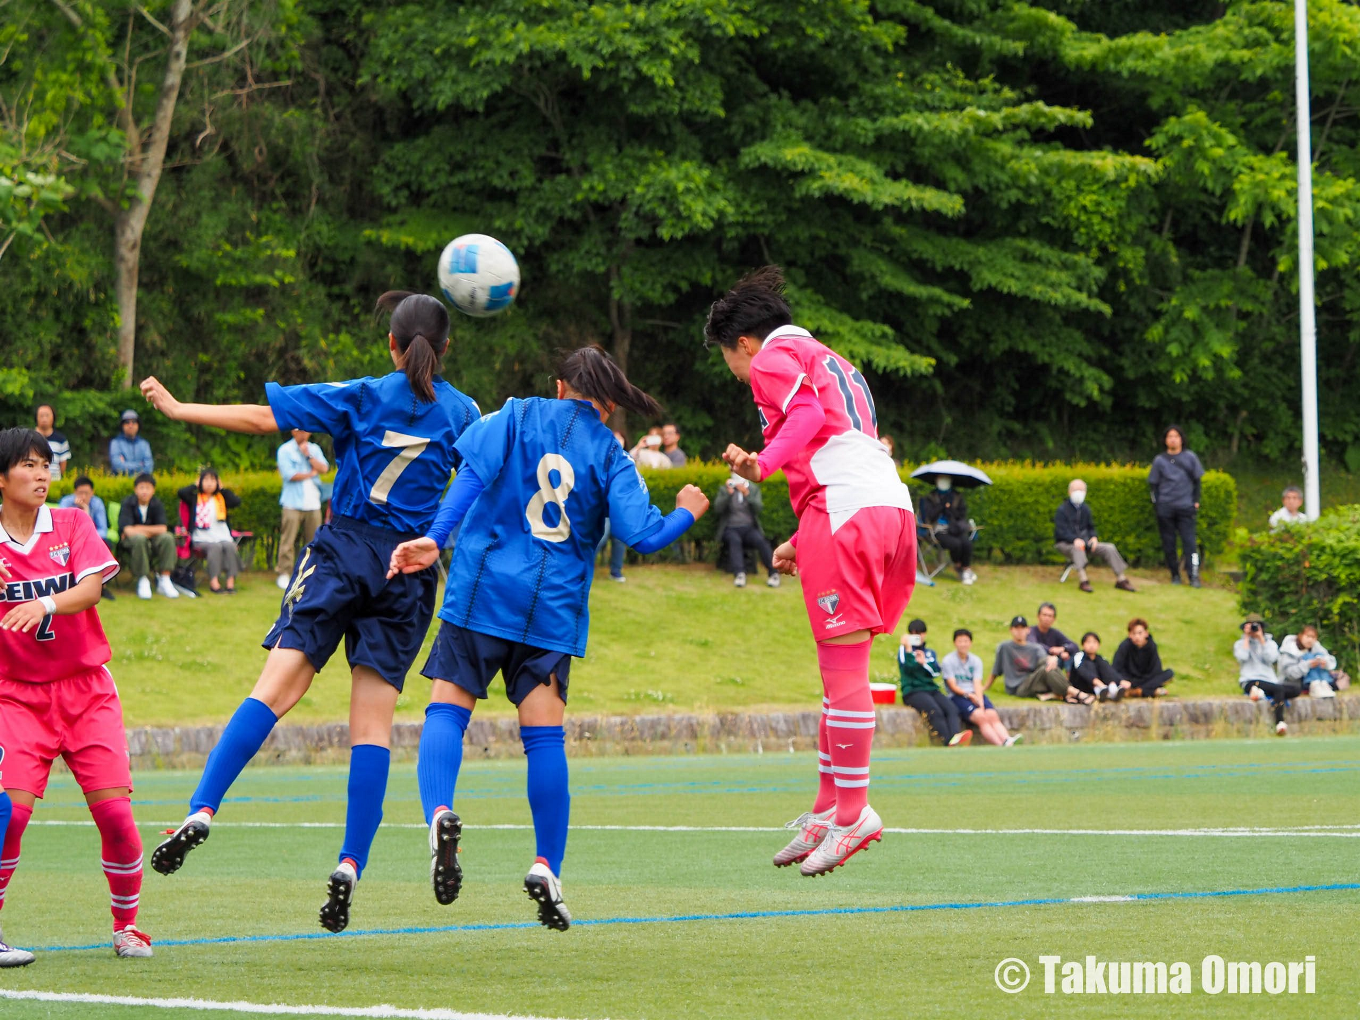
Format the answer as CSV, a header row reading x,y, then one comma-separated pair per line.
x,y
145,166
621,327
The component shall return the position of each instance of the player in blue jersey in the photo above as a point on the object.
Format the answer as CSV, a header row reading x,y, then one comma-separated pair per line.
x,y
394,446
545,476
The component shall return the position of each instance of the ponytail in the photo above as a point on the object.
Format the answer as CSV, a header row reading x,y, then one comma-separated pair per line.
x,y
591,372
420,327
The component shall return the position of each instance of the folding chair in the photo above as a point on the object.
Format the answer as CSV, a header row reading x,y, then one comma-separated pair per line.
x,y
927,535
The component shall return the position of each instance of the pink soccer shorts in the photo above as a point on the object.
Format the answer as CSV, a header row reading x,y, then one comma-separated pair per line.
x,y
79,719
861,577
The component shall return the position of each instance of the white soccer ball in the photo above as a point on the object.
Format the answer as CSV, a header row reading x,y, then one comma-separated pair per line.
x,y
478,275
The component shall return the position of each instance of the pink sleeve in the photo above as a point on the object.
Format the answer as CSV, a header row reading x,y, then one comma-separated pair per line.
x,y
89,555
804,417
776,376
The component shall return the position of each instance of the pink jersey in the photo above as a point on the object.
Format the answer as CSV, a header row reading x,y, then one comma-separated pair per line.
x,y
845,468
64,549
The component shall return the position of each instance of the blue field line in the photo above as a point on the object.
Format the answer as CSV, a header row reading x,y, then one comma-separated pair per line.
x,y
741,915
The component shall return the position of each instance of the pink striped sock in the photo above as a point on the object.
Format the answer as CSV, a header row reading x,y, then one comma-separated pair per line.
x,y
121,850
826,788
850,724
9,855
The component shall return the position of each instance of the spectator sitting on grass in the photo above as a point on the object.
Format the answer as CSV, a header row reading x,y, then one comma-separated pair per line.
x,y
82,496
1290,512
1305,661
919,673
129,453
1137,661
146,538
670,445
1057,643
1093,674
1074,534
210,534
962,672
1257,655
1031,671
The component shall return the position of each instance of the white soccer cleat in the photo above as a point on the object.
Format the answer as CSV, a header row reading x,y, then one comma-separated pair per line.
x,y
11,957
545,889
446,874
167,587
740,581
772,581
193,831
339,894
143,588
130,943
812,829
843,842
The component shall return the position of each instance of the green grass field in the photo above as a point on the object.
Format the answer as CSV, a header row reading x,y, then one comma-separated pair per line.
x,y
696,923
671,638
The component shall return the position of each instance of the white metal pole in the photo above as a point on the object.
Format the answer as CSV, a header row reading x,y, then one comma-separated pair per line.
x,y
1312,493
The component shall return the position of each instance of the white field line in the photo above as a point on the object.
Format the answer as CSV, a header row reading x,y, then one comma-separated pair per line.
x,y
270,1009
1336,831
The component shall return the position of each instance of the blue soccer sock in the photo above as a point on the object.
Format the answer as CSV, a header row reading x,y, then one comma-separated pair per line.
x,y
5,811
549,798
240,740
368,765
441,755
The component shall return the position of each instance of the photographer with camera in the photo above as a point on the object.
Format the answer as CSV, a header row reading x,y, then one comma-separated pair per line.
x,y
1257,654
737,506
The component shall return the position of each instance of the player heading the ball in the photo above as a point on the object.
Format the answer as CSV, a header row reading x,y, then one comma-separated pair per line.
x,y
540,478
394,442
56,695
855,547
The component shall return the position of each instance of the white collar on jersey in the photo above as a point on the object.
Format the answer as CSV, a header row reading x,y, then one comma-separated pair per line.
x,y
43,526
779,332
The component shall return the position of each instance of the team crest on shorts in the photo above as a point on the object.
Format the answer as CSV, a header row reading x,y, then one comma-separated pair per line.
x,y
828,600
60,554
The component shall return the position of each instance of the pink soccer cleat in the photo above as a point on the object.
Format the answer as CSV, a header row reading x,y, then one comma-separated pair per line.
x,y
843,842
812,829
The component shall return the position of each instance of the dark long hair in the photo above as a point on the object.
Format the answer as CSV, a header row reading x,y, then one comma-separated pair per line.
x,y
420,326
753,307
215,477
591,372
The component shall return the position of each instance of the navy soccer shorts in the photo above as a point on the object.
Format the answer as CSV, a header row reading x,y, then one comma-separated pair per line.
x,y
339,589
471,660
965,705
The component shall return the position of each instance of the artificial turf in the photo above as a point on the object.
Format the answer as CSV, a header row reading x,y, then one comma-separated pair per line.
x,y
898,932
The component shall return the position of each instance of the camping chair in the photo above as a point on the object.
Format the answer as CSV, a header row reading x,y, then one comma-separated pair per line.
x,y
184,544
927,538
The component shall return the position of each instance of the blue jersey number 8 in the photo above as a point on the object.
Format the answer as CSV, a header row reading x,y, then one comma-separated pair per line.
x,y
549,493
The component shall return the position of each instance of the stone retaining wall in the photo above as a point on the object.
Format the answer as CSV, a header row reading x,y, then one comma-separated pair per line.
x,y
740,732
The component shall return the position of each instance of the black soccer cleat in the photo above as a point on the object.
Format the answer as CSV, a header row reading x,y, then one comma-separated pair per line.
x,y
339,892
169,856
545,890
446,874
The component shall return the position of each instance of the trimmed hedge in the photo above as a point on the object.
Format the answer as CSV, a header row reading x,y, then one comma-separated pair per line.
x,y
1308,574
1015,512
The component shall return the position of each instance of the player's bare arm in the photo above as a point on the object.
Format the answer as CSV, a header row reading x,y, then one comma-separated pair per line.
x,y
785,558
253,419
692,498
410,557
27,615
744,464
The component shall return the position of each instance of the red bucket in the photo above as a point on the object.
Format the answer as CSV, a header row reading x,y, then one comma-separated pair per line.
x,y
883,694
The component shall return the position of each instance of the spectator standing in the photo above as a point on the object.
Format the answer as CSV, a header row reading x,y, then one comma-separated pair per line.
x,y
890,445
1175,479
1074,533
670,445
1057,643
1138,661
919,674
1257,657
1093,674
209,532
301,465
83,498
1290,513
947,513
962,672
146,538
129,453
647,454
61,447
738,505
1030,670
1304,660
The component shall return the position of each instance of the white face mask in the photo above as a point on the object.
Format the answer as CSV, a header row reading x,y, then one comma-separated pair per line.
x,y
1078,497
944,483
